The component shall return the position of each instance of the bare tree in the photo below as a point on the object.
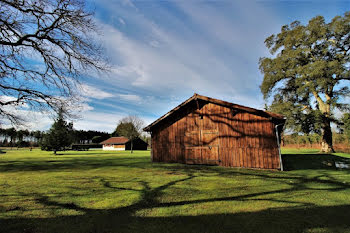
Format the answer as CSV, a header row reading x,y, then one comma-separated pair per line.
x,y
44,48
130,127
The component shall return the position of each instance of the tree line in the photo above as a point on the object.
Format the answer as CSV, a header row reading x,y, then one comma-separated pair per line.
x,y
12,137
340,137
313,139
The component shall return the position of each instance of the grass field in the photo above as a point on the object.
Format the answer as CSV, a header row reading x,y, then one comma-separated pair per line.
x,y
99,191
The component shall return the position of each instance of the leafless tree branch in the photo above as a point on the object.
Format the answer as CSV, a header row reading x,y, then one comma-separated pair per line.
x,y
45,47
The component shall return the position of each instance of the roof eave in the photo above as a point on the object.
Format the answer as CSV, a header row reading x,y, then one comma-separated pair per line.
x,y
216,101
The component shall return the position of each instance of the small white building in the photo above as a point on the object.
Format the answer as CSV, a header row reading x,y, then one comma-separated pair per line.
x,y
114,143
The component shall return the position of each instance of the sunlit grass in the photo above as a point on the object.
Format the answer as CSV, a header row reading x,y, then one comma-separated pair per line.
x,y
99,191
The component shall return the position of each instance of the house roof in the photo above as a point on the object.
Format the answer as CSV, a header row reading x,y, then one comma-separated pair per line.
x,y
115,141
218,102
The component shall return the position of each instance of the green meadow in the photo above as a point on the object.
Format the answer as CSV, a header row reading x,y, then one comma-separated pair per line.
x,y
98,191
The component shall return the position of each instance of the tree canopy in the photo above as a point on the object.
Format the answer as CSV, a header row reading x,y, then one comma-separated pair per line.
x,y
59,136
129,127
307,78
45,46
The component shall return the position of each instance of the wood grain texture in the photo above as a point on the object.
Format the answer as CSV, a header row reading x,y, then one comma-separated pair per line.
x,y
206,133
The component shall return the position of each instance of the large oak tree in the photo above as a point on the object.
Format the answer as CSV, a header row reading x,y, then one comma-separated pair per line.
x,y
308,74
45,46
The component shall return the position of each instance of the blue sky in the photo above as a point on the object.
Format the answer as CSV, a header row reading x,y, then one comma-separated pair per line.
x,y
164,51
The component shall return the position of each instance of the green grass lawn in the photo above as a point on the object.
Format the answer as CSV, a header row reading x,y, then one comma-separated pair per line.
x,y
98,191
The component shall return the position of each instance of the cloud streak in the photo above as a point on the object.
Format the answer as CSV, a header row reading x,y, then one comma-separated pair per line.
x,y
214,55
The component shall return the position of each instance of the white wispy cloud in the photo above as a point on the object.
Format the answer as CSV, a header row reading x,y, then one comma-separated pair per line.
x,y
216,56
94,92
130,97
121,21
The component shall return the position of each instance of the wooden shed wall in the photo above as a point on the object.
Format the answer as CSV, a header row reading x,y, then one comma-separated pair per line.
x,y
243,139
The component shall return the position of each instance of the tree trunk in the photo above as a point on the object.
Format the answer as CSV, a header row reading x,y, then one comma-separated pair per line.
x,y
54,151
326,142
325,108
131,151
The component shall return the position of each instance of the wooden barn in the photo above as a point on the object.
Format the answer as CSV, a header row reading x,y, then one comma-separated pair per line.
x,y
204,130
122,143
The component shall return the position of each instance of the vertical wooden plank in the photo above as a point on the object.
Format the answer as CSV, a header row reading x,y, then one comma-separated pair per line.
x,y
154,146
160,144
269,157
273,145
264,157
236,134
246,138
260,132
247,157
169,151
258,152
232,156
251,156
173,144
182,134
176,139
243,141
261,158
248,127
254,131
251,140
244,157
267,162
224,158
239,128
263,137
228,158
237,158
257,130
272,135
168,147
222,132
255,157
272,157
276,155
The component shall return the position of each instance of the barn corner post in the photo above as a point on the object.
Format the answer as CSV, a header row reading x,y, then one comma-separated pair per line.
x,y
151,146
279,144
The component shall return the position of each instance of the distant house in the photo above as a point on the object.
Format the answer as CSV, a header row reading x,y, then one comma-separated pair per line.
x,y
123,143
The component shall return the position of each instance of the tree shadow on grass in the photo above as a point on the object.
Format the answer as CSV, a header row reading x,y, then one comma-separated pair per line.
x,y
321,219
311,161
300,217
78,163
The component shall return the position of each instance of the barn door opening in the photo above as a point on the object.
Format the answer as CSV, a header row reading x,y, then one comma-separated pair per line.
x,y
210,146
201,147
192,147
